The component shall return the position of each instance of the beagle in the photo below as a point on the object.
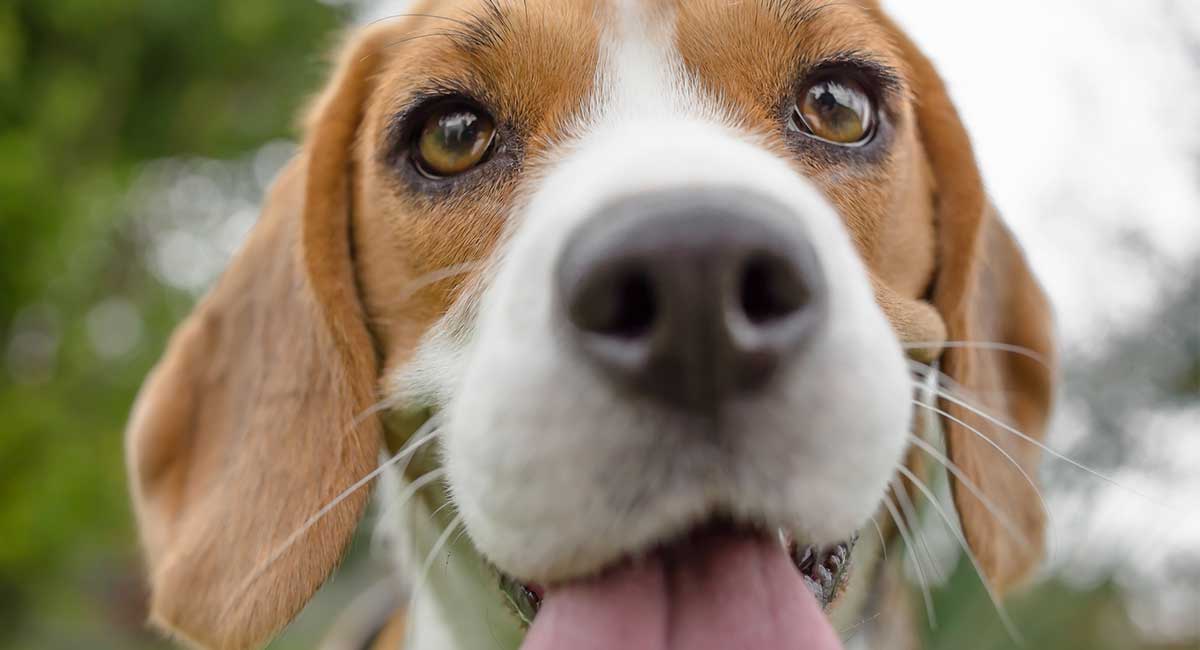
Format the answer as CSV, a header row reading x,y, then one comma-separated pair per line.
x,y
630,309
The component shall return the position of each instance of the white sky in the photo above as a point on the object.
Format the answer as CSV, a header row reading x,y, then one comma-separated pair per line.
x,y
1085,116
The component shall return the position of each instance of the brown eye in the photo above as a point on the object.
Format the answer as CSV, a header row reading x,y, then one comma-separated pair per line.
x,y
837,111
455,139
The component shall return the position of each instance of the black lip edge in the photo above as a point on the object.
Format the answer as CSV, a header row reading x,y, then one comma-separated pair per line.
x,y
824,569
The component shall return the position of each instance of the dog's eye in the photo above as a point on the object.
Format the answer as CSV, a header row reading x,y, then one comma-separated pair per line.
x,y
836,110
454,139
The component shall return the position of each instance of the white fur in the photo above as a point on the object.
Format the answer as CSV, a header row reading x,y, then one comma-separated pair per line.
x,y
556,474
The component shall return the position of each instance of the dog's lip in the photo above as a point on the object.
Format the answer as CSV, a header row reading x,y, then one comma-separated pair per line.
x,y
824,569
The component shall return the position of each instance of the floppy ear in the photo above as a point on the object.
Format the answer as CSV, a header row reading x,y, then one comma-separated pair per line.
x,y
247,427
999,391
1001,352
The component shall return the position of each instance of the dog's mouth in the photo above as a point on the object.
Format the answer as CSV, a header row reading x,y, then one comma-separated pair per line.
x,y
718,587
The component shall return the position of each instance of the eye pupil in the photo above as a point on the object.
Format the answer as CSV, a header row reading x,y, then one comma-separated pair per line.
x,y
454,139
837,111
827,101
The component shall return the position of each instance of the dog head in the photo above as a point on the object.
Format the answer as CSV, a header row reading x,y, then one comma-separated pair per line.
x,y
657,268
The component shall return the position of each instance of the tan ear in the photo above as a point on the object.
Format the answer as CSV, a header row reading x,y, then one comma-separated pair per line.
x,y
999,392
992,307
248,425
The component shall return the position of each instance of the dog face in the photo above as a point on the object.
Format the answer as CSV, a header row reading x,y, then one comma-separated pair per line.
x,y
651,264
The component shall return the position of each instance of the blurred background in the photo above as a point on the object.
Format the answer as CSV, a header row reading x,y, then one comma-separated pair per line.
x,y
136,140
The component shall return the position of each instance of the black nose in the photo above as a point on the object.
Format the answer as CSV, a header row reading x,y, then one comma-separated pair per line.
x,y
692,296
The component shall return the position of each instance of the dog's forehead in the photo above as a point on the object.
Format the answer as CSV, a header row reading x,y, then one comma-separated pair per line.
x,y
737,32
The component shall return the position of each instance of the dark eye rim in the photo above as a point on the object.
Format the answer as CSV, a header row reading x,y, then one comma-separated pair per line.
x,y
405,126
419,117
797,124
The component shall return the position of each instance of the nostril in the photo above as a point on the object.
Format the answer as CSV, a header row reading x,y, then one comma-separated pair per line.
x,y
622,306
634,310
771,289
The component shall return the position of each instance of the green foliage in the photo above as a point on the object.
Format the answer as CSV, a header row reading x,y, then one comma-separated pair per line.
x,y
1052,616
89,91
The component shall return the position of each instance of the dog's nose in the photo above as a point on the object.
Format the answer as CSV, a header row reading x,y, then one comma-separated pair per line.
x,y
692,296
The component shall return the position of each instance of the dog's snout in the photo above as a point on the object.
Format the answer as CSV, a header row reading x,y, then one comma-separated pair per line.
x,y
691,296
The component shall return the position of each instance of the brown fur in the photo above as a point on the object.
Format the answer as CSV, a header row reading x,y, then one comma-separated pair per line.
x,y
534,74
985,292
244,430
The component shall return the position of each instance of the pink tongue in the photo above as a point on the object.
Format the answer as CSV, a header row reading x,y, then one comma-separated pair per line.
x,y
721,592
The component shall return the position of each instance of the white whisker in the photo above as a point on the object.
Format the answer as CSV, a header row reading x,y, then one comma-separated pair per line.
x,y
434,514
433,277
462,531
439,545
995,445
854,629
415,486
419,15
910,514
387,508
974,489
374,409
418,588
291,540
945,394
1028,353
909,546
962,541
882,542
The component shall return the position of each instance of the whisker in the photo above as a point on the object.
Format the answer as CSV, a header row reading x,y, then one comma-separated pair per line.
x,y
433,515
937,506
910,514
376,408
438,545
390,507
1028,353
974,489
995,445
1028,479
909,546
945,394
410,491
420,439
882,543
433,277
415,486
445,34
424,281
384,19
854,629
462,531
926,372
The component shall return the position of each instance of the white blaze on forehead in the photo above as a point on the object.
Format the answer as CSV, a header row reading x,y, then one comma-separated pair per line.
x,y
641,72
639,64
